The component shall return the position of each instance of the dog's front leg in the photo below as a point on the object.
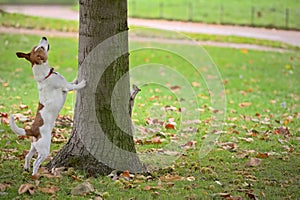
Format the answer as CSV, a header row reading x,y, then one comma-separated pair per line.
x,y
74,86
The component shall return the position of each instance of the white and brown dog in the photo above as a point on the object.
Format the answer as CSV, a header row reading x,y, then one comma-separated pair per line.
x,y
53,89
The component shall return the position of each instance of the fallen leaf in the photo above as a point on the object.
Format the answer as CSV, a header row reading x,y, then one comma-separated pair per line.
x,y
246,139
147,188
170,108
223,195
5,84
282,131
228,146
28,112
49,190
245,104
195,84
26,188
273,101
262,155
151,121
125,174
155,194
170,125
190,178
288,149
156,140
251,196
23,106
244,51
175,87
253,162
169,178
4,186
82,189
189,145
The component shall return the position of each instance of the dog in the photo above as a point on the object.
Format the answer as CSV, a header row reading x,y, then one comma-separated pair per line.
x,y
53,90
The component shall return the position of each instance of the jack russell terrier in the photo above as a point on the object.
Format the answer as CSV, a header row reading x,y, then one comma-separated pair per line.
x,y
53,90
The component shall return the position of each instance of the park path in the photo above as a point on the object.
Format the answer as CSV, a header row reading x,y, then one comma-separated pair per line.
x,y
51,33
65,12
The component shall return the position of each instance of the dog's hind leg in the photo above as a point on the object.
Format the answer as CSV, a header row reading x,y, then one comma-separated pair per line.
x,y
28,157
36,164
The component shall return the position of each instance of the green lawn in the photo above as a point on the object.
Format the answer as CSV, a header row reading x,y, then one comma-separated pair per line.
x,y
258,13
30,22
268,13
56,2
267,80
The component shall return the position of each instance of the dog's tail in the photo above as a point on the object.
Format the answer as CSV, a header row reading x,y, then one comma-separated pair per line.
x,y
14,127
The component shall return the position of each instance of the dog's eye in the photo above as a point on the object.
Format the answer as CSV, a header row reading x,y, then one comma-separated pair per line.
x,y
43,48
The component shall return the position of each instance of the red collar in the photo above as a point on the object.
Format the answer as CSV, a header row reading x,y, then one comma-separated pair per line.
x,y
50,72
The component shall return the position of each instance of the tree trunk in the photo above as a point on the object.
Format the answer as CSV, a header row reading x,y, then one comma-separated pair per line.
x,y
101,139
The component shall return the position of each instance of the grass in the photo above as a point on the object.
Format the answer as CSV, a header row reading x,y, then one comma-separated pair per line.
x,y
250,13
268,80
53,2
156,33
30,22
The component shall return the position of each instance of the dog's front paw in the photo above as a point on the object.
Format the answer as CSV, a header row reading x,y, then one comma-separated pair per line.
x,y
82,84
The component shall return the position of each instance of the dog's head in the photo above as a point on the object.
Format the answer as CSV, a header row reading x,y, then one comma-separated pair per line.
x,y
38,54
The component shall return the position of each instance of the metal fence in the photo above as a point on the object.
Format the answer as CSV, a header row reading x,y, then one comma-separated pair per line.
x,y
287,18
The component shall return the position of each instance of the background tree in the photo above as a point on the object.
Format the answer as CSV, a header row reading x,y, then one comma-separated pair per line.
x,y
101,138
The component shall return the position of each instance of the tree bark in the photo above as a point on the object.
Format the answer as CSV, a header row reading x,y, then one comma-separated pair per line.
x,y
102,139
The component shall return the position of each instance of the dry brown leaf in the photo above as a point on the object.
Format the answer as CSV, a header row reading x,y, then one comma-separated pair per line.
x,y
27,187
228,146
169,178
262,155
190,178
23,106
125,174
170,108
82,189
5,84
4,185
49,190
245,104
147,188
156,140
223,195
251,196
288,149
253,162
246,139
189,145
175,87
170,125
234,198
195,84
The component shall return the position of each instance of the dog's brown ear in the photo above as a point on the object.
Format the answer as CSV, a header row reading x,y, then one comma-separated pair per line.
x,y
23,55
